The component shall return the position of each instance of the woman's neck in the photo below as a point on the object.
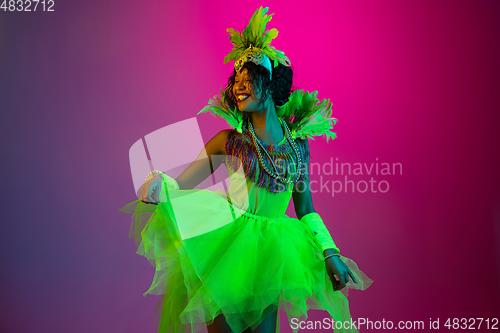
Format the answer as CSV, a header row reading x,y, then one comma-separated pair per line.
x,y
267,125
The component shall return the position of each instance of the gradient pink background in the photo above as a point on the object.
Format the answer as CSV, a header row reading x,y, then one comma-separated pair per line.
x,y
412,82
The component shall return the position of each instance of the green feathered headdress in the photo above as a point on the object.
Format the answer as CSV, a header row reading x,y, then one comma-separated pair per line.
x,y
256,37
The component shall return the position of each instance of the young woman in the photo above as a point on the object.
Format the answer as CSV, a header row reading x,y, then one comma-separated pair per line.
x,y
229,270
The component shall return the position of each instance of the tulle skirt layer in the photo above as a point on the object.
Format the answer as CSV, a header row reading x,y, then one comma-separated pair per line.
x,y
244,269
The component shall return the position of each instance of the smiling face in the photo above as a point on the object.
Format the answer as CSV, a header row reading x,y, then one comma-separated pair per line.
x,y
247,97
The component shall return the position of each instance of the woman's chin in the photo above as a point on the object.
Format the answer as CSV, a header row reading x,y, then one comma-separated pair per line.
x,y
246,108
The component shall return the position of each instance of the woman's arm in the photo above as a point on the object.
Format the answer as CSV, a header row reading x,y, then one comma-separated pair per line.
x,y
302,199
194,174
304,205
337,270
197,171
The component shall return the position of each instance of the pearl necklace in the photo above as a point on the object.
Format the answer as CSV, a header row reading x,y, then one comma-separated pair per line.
x,y
295,149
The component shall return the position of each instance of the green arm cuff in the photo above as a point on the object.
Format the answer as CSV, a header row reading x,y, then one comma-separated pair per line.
x,y
320,233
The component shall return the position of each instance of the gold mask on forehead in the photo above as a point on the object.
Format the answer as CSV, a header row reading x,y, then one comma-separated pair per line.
x,y
256,56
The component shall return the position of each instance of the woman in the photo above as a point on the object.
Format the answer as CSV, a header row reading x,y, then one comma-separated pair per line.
x,y
232,274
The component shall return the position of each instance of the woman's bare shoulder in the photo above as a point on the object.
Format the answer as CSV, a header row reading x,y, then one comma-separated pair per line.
x,y
217,144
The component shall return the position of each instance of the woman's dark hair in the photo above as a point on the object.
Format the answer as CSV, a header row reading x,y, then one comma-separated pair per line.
x,y
279,88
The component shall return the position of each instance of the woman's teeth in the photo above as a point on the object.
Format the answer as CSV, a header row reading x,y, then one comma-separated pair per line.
x,y
242,97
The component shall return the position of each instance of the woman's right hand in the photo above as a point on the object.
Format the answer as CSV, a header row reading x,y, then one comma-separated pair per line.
x,y
338,272
150,191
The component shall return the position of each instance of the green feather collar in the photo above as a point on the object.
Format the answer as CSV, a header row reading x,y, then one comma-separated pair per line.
x,y
306,115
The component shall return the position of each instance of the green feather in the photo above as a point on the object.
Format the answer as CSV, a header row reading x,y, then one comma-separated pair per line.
x,y
255,22
307,116
218,107
269,36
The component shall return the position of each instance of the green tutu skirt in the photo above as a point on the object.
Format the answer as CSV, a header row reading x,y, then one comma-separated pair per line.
x,y
213,258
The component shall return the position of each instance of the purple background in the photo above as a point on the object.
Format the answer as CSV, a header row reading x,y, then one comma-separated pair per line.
x,y
412,82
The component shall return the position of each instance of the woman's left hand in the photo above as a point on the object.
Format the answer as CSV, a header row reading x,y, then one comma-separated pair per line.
x,y
338,272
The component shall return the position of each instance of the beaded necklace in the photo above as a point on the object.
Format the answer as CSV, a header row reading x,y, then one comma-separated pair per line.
x,y
258,146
